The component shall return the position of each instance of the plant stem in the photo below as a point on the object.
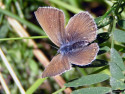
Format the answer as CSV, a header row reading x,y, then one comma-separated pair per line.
x,y
19,38
108,12
112,30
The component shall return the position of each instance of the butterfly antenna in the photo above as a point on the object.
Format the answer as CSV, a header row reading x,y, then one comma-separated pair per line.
x,y
54,46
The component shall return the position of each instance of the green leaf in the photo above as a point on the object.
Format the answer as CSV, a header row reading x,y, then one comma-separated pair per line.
x,y
102,37
88,80
101,23
121,23
93,90
123,55
116,58
104,50
119,35
35,85
97,63
33,66
3,31
117,84
116,71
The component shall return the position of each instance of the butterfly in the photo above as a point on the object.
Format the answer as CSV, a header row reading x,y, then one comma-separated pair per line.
x,y
75,40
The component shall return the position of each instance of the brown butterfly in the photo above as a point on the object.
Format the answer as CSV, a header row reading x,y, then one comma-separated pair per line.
x,y
75,41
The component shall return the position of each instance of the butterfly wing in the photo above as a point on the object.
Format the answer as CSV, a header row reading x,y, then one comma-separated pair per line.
x,y
81,27
84,56
52,21
58,65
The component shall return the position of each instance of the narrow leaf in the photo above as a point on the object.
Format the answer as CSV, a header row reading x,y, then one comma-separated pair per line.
x,y
116,71
101,23
96,63
35,85
104,50
60,90
116,58
93,90
88,80
117,84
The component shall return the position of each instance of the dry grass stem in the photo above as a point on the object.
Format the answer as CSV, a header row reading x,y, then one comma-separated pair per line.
x,y
3,83
11,71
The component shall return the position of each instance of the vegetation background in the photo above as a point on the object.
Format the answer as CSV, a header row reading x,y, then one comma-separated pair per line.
x,y
25,49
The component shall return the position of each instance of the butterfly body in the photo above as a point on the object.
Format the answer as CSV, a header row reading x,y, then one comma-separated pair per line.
x,y
74,40
72,47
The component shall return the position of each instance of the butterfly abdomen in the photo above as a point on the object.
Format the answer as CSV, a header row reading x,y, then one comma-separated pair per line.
x,y
72,47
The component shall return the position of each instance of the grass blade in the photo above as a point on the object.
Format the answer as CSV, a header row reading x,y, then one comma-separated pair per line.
x,y
60,90
65,5
30,25
35,85
19,38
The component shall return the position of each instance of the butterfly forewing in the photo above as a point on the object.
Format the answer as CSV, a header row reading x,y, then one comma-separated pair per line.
x,y
58,65
84,56
81,27
52,22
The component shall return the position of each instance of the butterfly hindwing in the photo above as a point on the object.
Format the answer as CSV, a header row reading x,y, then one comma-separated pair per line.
x,y
58,65
84,56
